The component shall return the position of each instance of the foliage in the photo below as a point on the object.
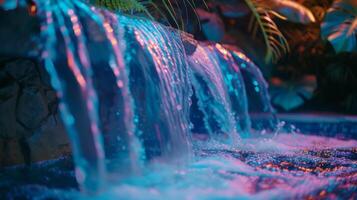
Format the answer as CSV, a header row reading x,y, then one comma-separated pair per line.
x,y
263,14
337,79
123,5
163,8
275,41
340,26
308,50
264,11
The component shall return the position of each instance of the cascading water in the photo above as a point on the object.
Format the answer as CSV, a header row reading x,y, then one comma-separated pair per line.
x,y
152,109
220,93
230,90
258,99
91,71
72,78
161,87
127,87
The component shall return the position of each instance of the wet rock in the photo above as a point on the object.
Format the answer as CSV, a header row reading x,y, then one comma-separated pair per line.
x,y
19,33
24,72
231,8
30,128
31,104
31,109
212,25
287,96
50,141
189,43
8,97
11,152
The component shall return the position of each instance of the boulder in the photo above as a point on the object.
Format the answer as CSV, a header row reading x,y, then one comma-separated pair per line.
x,y
8,98
30,127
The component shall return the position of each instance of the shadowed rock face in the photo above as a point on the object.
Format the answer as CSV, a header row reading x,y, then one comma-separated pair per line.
x,y
25,97
18,33
30,128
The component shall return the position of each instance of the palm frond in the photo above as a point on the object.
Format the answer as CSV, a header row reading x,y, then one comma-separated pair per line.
x,y
165,9
276,44
288,9
122,5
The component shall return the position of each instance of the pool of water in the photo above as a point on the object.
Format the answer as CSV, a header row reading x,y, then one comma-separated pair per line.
x,y
128,89
288,166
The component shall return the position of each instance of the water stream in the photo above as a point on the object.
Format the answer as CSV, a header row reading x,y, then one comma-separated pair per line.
x,y
128,87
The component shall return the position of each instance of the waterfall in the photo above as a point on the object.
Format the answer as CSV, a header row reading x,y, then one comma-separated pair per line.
x,y
220,93
262,114
161,87
127,85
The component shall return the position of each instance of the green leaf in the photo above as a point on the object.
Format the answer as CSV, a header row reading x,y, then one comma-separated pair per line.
x,y
340,27
276,44
291,11
122,5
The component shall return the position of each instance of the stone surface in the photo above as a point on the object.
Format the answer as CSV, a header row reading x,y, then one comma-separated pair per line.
x,y
30,127
8,96
19,33
11,152
50,141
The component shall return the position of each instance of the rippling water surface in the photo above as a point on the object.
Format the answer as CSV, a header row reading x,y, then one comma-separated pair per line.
x,y
133,93
260,169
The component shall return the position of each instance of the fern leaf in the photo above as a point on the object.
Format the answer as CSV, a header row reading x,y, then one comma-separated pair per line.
x,y
276,44
122,5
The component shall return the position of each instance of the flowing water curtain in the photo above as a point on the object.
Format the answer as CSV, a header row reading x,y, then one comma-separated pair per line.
x,y
212,97
220,92
163,115
83,45
83,55
161,88
236,87
79,114
121,110
231,93
262,114
80,45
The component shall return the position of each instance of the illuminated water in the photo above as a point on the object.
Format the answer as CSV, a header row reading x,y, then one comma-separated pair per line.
x,y
271,169
152,114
